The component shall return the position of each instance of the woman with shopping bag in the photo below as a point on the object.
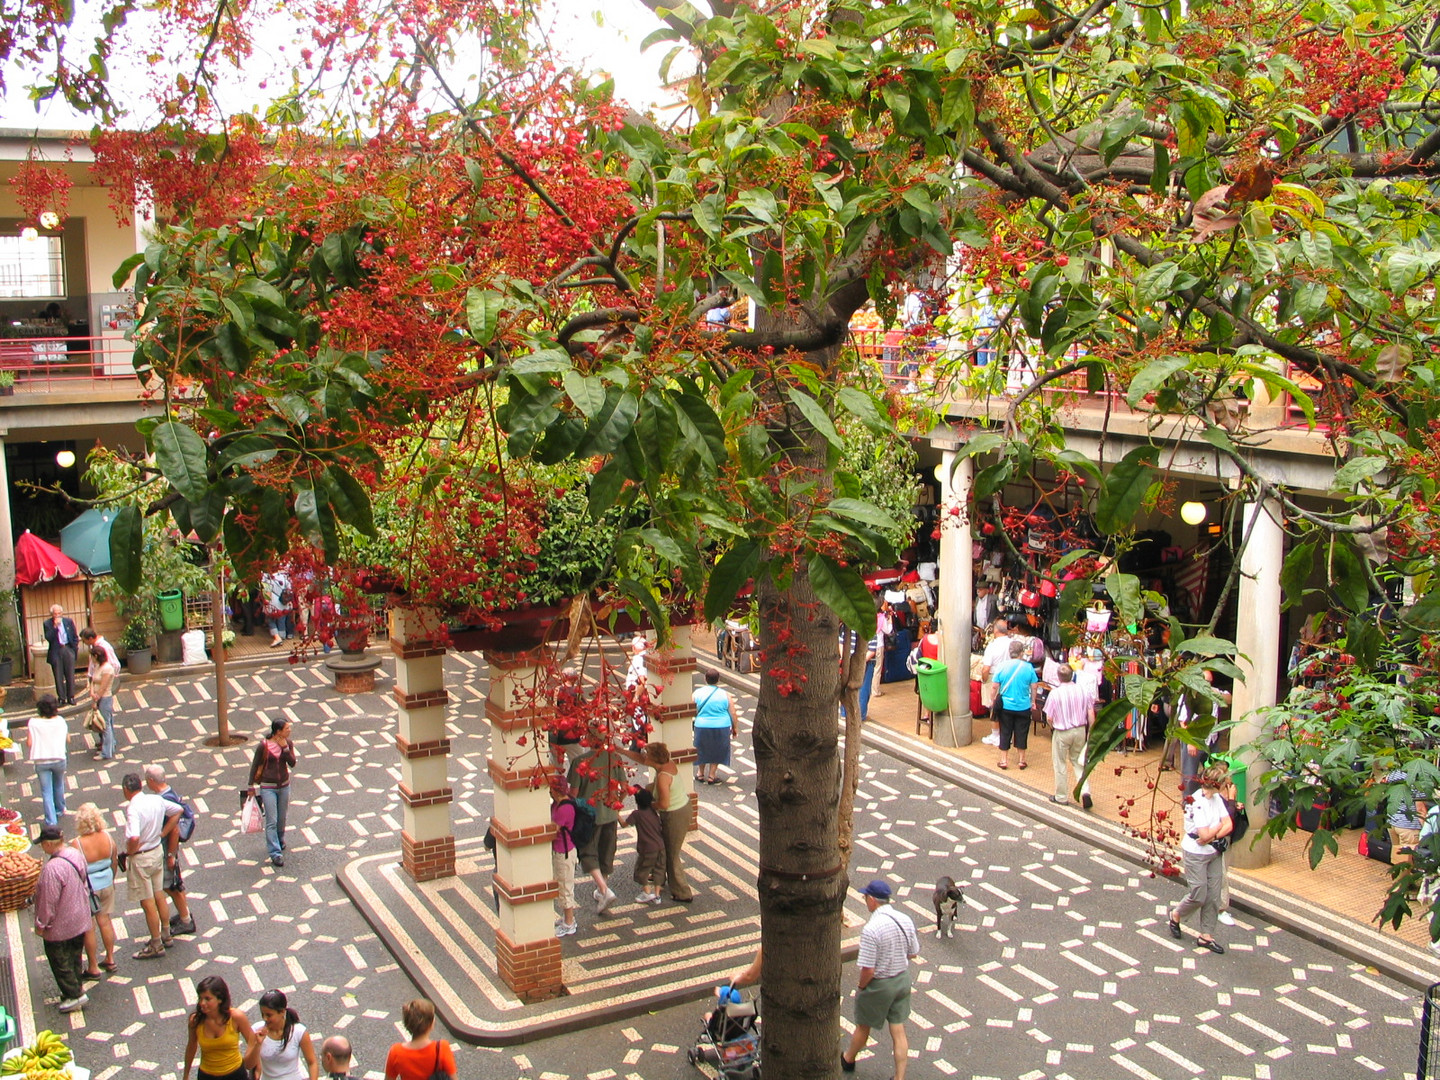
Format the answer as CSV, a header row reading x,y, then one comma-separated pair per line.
x,y
270,774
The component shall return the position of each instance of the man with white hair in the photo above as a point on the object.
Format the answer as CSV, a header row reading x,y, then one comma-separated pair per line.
x,y
62,644
173,883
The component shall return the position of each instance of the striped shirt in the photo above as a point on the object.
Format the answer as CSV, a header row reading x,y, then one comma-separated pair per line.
x,y
887,942
1067,707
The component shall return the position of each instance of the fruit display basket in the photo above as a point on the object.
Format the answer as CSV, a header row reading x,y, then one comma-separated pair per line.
x,y
47,1058
19,874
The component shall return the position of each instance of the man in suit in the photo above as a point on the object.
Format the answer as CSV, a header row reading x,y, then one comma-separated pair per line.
x,y
62,644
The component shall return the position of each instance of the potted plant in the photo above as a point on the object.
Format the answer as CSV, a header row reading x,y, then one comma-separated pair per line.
x,y
9,649
7,383
135,640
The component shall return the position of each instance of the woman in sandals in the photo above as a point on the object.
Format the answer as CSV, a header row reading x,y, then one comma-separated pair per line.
x,y
270,772
716,723
220,1032
98,847
1202,848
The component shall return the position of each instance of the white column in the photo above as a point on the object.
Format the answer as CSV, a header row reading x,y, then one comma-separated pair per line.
x,y
7,543
956,602
427,842
1257,636
673,671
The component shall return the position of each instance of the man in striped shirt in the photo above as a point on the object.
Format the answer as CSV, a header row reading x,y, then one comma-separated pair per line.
x,y
1071,711
887,945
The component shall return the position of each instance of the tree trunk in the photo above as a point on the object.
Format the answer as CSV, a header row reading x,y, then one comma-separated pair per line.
x,y
802,879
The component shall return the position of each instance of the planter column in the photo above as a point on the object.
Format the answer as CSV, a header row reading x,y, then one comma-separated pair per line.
x,y
427,844
527,953
673,674
1257,637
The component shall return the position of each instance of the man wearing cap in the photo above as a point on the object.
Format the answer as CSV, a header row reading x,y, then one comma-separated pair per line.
x,y
62,915
887,945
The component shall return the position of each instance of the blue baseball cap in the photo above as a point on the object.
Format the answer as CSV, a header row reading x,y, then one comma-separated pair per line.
x,y
878,889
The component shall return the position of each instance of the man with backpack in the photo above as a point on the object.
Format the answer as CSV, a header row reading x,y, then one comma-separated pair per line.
x,y
182,922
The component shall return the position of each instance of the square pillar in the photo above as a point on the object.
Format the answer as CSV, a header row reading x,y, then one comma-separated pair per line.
x,y
527,952
427,841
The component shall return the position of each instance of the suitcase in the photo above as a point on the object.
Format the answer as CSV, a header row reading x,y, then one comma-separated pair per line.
x,y
1375,840
894,668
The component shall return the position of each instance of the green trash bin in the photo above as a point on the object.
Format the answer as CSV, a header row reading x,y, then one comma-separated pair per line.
x,y
7,1031
934,686
1238,775
172,610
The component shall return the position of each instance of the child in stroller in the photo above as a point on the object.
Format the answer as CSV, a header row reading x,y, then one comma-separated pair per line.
x,y
729,1044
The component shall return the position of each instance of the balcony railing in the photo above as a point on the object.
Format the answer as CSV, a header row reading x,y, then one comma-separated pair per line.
x,y
68,364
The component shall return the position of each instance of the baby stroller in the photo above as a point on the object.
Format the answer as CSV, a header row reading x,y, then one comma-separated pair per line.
x,y
729,1044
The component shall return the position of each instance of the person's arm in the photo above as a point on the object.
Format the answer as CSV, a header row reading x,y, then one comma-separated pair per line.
x,y
170,834
307,1051
866,974
734,715
257,765
252,1041
191,1045
288,754
132,843
751,974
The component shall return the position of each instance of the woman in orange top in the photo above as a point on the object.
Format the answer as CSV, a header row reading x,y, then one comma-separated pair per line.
x,y
422,1056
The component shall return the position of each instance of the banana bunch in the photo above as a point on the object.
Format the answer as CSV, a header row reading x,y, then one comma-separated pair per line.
x,y
44,1059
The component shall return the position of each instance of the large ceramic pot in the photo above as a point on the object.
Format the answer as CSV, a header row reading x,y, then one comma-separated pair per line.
x,y
139,661
352,640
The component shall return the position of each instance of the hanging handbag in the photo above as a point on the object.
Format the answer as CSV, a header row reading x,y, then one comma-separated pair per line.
x,y
438,1073
1029,598
250,817
95,722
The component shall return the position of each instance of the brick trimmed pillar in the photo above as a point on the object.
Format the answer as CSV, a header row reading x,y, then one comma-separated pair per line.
x,y
673,671
427,843
526,949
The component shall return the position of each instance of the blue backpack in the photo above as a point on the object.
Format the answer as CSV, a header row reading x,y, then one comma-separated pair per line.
x,y
186,827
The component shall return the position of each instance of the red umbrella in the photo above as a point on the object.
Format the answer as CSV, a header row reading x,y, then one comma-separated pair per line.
x,y
36,561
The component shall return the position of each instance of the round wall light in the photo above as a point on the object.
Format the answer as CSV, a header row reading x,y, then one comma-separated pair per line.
x,y
49,220
1193,513
65,458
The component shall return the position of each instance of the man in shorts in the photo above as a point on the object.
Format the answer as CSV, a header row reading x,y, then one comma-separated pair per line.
x,y
149,820
887,945
182,922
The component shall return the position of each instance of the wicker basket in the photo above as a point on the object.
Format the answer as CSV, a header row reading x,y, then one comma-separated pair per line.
x,y
16,892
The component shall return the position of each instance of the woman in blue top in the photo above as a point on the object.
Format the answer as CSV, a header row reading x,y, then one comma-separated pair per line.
x,y
715,723
1015,679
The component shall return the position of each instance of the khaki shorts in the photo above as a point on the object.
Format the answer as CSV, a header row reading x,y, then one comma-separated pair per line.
x,y
146,873
106,896
563,867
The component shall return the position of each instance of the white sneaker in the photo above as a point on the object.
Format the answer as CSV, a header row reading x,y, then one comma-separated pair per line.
x,y
596,895
1226,918
71,1004
991,740
566,929
604,902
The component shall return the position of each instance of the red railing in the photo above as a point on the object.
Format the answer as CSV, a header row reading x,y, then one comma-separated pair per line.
x,y
59,364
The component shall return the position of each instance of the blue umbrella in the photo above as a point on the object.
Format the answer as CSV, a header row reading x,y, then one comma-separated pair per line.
x,y
87,540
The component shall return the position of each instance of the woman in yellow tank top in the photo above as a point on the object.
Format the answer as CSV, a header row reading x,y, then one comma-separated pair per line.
x,y
220,1033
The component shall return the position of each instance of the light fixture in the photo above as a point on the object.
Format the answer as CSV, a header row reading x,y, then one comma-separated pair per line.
x,y
65,458
1193,513
49,220
29,233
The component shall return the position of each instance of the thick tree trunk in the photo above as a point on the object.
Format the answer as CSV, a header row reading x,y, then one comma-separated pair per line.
x,y
802,878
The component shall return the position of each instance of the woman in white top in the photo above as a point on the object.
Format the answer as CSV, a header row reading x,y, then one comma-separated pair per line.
x,y
283,1042
47,733
1206,821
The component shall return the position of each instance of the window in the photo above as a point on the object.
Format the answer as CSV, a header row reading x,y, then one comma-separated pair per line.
x,y
32,266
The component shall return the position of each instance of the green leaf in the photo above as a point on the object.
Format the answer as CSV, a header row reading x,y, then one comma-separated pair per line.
x,y
1124,490
1105,736
1348,576
482,313
1295,572
761,203
816,416
1423,614
843,590
605,488
1074,597
127,545
1349,475
586,391
864,408
735,568
1207,646
545,362
1124,590
864,512
350,500
122,275
702,427
245,451
1152,376
182,457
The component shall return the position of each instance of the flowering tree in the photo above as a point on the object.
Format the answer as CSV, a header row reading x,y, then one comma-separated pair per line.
x,y
1181,204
